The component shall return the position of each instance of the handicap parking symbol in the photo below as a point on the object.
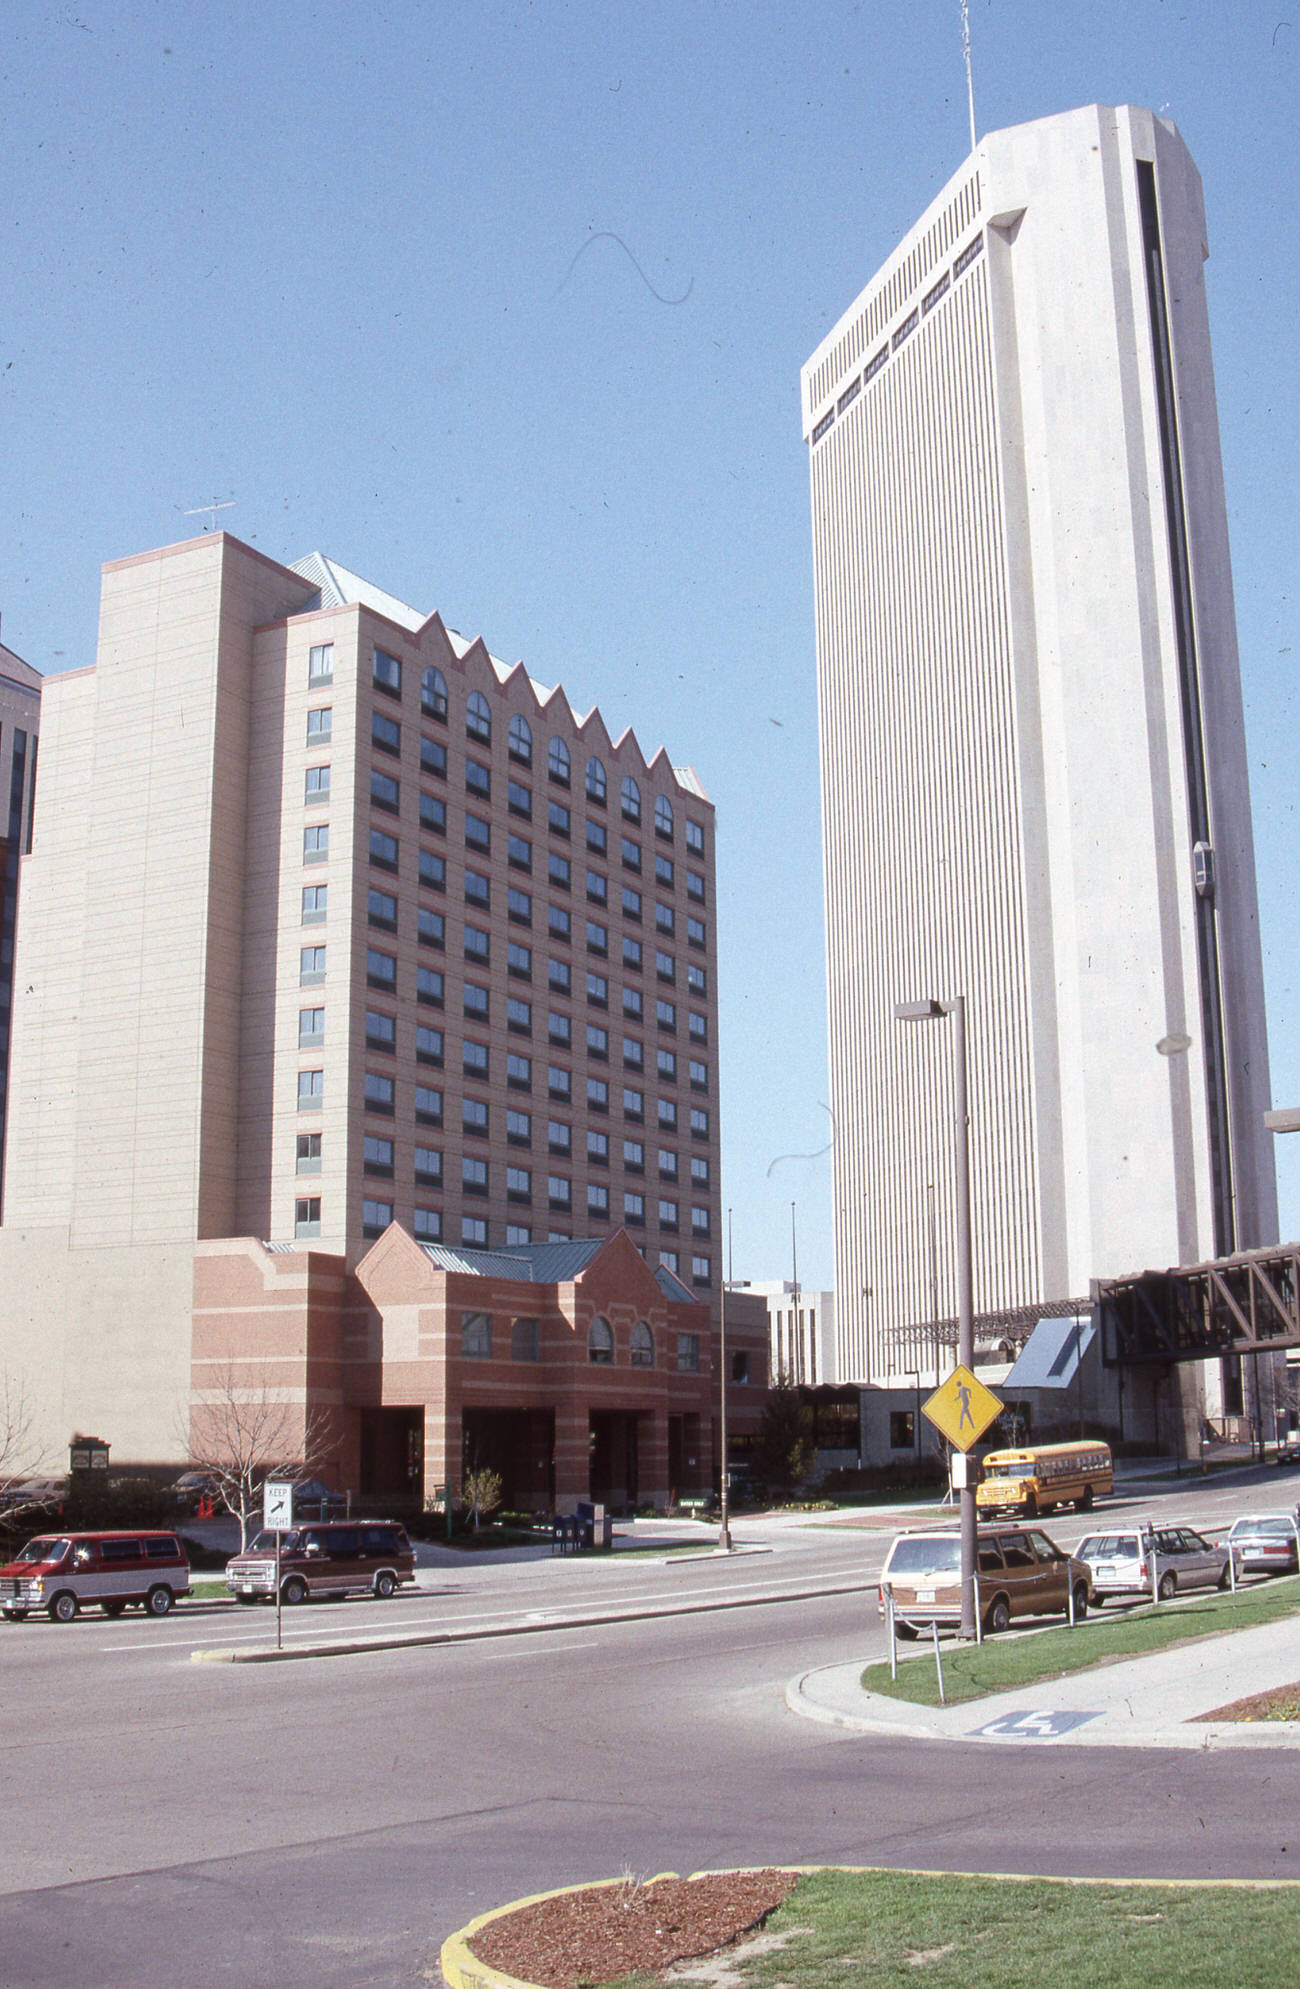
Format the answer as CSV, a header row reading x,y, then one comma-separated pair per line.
x,y
1032,1726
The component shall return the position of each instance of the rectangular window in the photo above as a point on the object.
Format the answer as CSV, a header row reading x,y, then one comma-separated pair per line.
x,y
667,1114
633,1054
634,1104
559,1082
667,1214
697,1026
311,1027
433,814
559,1136
519,1072
320,664
518,1232
385,732
519,906
478,778
519,799
695,933
700,1271
385,792
428,1167
664,871
433,757
381,910
597,991
699,1074
632,903
475,1336
666,1065
665,967
596,838
381,969
428,1046
478,946
316,843
428,1106
697,978
634,1208
474,1175
597,1094
694,837
695,886
667,1164
699,1124
519,961
634,1156
381,1030
597,1042
474,1231
478,832
688,1353
377,1156
519,1128
519,1184
426,1225
311,966
519,1016
308,1153
474,1060
700,1225
474,1116
597,937
558,975
598,1200
430,928
632,954
317,786
699,1170
383,850
311,1090
557,818
380,1093
631,853
306,1216
375,1217
559,1029
664,919
597,889
632,1006
429,987
478,889
666,1014
320,725
559,922
559,1191
387,673
559,871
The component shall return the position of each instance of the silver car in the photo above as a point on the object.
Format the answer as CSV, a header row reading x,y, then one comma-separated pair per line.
x,y
1141,1559
1266,1542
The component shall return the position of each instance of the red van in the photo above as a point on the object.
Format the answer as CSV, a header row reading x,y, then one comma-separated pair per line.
x,y
58,1572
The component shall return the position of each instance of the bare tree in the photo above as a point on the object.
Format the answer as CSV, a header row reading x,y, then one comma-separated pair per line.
x,y
20,1454
242,1433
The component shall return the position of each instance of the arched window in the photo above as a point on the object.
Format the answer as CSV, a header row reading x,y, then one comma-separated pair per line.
x,y
521,740
664,817
557,760
433,692
631,800
600,1343
643,1345
596,780
478,716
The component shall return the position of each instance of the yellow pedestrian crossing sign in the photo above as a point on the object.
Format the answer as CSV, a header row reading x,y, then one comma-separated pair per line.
x,y
962,1409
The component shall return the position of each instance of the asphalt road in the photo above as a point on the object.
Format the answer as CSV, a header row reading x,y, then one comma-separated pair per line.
x,y
327,1823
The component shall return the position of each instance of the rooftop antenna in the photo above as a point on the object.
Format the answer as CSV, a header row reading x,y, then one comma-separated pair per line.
x,y
210,511
965,48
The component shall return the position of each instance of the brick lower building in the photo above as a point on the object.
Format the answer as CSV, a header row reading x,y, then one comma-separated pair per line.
x,y
570,1368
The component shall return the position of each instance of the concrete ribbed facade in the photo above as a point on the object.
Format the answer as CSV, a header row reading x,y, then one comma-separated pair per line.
x,y
1030,719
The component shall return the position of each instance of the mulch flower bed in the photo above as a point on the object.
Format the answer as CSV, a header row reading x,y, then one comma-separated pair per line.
x,y
603,1932
1283,1703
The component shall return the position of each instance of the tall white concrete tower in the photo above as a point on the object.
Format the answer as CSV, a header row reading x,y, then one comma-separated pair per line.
x,y
1034,779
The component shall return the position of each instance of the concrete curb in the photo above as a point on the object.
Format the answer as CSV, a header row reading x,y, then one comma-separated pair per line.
x,y
362,1646
462,1970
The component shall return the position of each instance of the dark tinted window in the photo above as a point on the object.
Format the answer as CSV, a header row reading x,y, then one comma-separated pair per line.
x,y
162,1550
990,1558
1016,1551
119,1550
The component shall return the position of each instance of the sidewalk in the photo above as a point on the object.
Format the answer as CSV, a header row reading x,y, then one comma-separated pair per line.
x,y
1149,1701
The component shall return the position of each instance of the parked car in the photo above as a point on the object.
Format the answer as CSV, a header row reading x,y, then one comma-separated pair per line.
x,y
194,1489
1265,1543
1121,1562
60,1572
331,1557
25,1494
1020,1573
1289,1451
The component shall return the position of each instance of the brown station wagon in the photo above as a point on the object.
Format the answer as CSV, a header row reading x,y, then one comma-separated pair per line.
x,y
1021,1573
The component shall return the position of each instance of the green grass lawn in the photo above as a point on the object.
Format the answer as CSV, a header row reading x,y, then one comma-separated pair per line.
x,y
854,1929
1005,1664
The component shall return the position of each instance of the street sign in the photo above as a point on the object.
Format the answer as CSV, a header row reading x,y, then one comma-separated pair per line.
x,y
277,1506
962,1409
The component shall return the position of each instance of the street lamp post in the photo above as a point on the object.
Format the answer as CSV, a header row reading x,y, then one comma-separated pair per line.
x,y
930,1011
724,1487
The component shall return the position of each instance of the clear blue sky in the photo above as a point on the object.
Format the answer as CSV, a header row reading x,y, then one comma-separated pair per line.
x,y
504,307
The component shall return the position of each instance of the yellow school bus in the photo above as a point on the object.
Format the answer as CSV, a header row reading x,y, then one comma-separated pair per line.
x,y
1043,1475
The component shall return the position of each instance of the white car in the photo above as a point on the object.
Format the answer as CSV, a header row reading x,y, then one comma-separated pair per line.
x,y
1121,1562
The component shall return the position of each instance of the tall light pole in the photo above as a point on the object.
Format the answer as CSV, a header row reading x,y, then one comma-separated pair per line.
x,y
931,1011
724,1529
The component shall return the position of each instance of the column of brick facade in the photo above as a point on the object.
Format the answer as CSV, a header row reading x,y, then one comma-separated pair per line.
x,y
572,1455
652,1459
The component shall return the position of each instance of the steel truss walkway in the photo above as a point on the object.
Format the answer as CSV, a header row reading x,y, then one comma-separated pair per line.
x,y
1235,1305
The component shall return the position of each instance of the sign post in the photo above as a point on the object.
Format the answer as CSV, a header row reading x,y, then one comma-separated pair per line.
x,y
277,1517
961,1411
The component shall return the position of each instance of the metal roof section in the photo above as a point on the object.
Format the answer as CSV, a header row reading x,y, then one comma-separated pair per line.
x,y
1052,1354
672,1287
528,1263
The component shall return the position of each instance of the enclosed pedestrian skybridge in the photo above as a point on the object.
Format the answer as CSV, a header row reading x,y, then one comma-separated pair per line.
x,y
1247,1304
